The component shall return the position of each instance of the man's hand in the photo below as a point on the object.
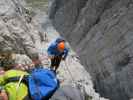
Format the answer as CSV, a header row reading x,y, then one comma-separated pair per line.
x,y
63,58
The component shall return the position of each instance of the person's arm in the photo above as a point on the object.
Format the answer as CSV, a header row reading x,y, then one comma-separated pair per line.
x,y
65,53
50,50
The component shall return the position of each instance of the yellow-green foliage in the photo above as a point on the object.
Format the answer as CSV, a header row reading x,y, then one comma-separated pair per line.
x,y
41,4
87,97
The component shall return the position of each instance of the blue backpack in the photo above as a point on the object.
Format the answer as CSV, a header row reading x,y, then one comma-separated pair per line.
x,y
42,84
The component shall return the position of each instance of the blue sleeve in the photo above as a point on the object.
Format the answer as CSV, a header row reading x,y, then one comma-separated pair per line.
x,y
50,49
65,53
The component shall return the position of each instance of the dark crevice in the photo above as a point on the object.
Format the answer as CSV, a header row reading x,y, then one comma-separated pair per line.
x,y
56,5
32,38
123,61
81,4
7,38
97,21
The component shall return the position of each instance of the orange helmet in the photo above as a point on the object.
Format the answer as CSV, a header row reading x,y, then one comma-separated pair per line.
x,y
61,46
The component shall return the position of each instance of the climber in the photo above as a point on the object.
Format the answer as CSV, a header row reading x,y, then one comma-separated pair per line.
x,y
57,51
40,84
11,89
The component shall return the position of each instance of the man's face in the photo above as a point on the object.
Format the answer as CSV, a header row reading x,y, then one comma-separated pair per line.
x,y
6,60
2,56
5,55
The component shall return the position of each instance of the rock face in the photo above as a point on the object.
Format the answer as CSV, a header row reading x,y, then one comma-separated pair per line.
x,y
101,32
68,93
28,33
17,31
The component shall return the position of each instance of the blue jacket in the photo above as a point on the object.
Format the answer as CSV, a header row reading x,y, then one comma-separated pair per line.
x,y
52,49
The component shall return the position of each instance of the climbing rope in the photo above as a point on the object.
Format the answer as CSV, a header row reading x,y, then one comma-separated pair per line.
x,y
67,68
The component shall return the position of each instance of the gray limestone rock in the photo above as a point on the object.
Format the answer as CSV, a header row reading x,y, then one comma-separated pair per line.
x,y
15,31
101,32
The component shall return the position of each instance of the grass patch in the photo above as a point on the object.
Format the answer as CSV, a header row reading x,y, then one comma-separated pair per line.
x,y
40,4
87,97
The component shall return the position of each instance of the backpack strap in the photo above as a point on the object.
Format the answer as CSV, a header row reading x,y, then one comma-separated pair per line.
x,y
24,80
20,79
17,78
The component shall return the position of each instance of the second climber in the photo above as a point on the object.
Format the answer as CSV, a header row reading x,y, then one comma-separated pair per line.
x,y
57,51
